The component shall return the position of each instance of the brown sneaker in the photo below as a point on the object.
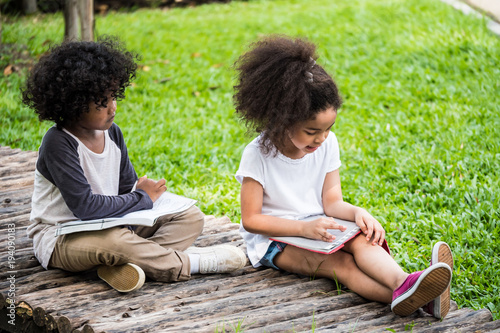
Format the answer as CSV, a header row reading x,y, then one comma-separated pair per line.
x,y
219,258
123,278
440,306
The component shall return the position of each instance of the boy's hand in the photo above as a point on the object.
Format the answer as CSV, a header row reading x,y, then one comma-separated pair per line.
x,y
153,188
370,226
318,229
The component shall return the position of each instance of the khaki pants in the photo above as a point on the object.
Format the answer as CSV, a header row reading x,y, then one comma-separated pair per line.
x,y
158,250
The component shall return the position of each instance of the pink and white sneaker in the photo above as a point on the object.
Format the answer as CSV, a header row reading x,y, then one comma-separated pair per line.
x,y
440,306
420,288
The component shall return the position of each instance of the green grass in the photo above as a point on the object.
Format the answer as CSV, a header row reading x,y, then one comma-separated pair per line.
x,y
419,130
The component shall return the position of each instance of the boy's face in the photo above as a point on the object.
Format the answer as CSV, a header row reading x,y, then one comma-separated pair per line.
x,y
308,136
99,118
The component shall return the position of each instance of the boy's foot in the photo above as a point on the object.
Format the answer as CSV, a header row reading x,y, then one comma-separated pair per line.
x,y
440,306
219,258
420,288
123,278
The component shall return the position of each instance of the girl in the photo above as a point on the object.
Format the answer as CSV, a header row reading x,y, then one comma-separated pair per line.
x,y
291,171
83,172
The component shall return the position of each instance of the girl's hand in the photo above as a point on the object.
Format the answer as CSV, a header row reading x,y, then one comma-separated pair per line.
x,y
153,188
318,229
370,226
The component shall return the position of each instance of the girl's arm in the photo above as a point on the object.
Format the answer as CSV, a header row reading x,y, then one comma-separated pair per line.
x,y
335,206
254,221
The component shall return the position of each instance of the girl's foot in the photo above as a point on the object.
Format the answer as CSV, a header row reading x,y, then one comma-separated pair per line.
x,y
440,306
420,288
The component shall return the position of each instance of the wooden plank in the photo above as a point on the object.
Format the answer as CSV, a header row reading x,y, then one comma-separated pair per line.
x,y
281,316
11,212
467,322
19,220
258,299
11,197
209,287
169,318
21,242
17,181
417,321
109,303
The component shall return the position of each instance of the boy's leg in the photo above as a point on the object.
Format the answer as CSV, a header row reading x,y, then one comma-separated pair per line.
x,y
338,266
118,246
179,231
175,231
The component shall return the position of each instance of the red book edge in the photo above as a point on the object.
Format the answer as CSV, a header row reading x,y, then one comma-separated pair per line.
x,y
317,251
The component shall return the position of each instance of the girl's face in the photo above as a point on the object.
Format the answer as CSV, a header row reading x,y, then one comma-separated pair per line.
x,y
308,136
99,118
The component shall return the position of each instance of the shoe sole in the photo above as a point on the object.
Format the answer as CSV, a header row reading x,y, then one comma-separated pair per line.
x,y
123,278
441,252
202,250
432,283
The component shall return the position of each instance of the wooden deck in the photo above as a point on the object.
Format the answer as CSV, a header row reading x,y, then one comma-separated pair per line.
x,y
255,300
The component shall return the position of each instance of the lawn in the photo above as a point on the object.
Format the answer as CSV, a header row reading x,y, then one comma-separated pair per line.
x,y
419,130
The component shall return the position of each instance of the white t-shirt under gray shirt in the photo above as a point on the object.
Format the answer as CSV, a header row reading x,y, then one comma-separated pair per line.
x,y
72,183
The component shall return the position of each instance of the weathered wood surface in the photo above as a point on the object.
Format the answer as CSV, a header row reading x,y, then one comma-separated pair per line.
x,y
256,300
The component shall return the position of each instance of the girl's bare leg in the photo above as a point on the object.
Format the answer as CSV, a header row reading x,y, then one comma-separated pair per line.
x,y
375,262
339,265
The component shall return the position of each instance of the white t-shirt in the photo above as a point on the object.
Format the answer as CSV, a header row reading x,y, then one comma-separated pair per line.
x,y
292,187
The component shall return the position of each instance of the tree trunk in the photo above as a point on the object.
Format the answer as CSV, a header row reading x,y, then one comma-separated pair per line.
x,y
86,11
29,6
70,20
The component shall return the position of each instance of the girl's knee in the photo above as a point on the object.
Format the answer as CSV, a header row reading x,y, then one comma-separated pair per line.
x,y
357,243
344,264
346,259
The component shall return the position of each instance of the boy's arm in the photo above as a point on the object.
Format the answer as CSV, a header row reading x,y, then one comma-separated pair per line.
x,y
335,206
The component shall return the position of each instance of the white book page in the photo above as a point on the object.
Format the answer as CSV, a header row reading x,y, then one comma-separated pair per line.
x,y
167,203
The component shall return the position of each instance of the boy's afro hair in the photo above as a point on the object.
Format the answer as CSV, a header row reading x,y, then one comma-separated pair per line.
x,y
280,85
61,86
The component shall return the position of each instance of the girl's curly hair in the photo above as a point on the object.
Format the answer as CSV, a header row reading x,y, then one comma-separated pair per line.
x,y
61,86
279,86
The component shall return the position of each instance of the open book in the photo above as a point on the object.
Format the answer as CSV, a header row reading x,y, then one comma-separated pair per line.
x,y
167,203
315,245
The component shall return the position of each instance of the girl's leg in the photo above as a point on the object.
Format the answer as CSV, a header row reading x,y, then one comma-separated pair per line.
x,y
410,291
339,265
376,262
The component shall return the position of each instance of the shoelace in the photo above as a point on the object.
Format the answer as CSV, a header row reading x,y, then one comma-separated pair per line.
x,y
210,262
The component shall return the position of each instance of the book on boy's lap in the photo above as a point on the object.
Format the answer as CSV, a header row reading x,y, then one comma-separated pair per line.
x,y
341,237
167,203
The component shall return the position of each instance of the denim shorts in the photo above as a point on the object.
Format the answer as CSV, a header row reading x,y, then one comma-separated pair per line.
x,y
273,249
